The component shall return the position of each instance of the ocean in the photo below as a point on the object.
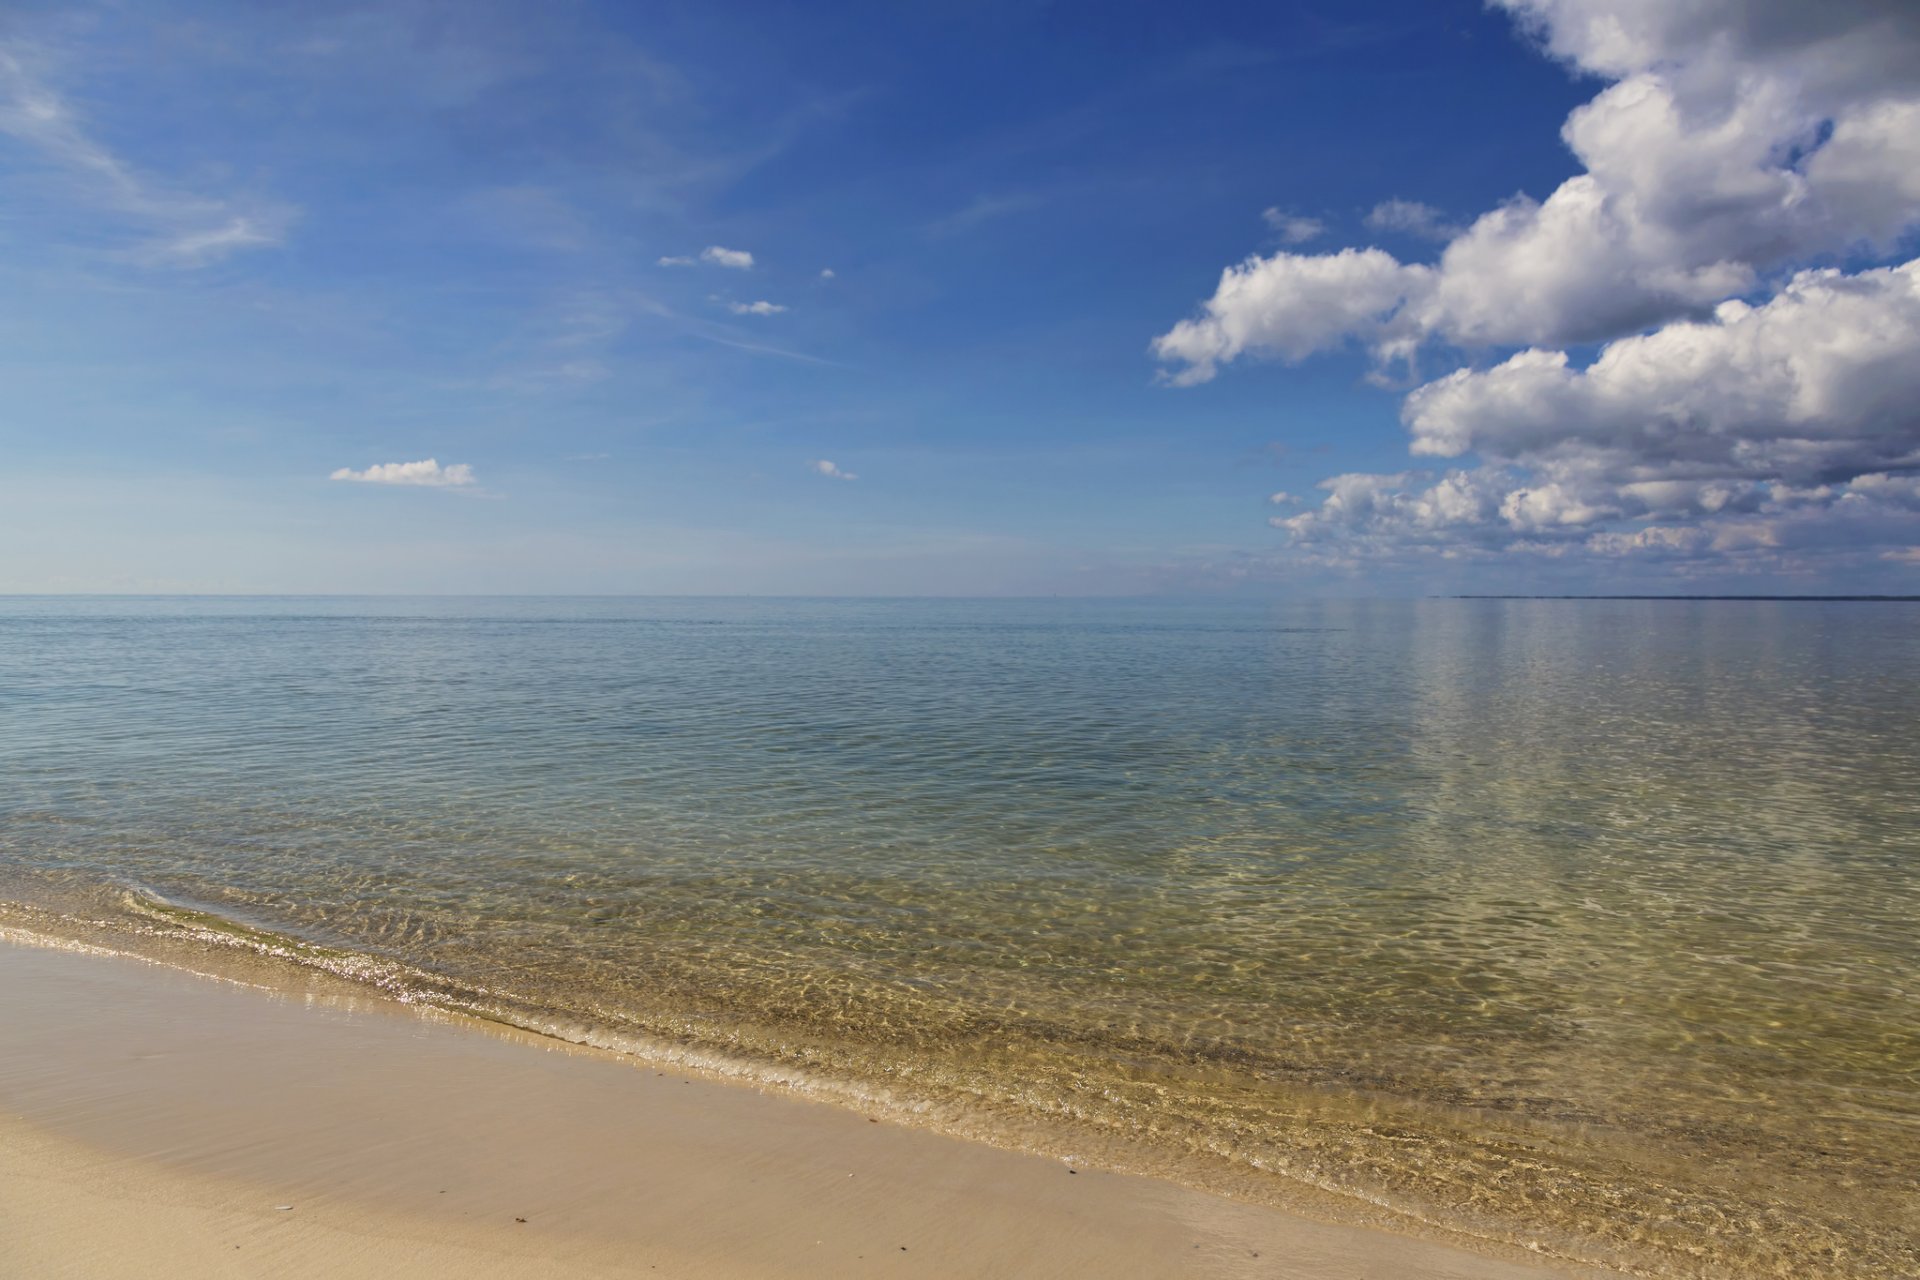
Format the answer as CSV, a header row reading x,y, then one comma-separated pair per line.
x,y
1586,926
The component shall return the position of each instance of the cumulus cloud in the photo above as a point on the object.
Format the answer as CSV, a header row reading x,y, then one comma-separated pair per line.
x,y
761,308
1289,306
427,472
826,273
1293,228
1736,137
1746,432
1738,412
1820,383
825,468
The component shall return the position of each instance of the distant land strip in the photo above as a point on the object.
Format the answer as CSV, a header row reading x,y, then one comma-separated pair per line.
x,y
1804,599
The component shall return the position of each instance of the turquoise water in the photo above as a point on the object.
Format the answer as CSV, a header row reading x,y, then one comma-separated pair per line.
x,y
1583,925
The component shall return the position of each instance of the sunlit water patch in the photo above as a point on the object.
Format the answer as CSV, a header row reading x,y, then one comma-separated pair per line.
x,y
1588,926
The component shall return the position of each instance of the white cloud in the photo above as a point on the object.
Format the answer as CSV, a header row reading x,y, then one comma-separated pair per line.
x,y
712,255
176,228
1283,498
1761,431
1290,306
1735,415
1491,511
1737,137
826,273
1293,228
825,468
1411,217
1819,383
1840,47
427,472
761,308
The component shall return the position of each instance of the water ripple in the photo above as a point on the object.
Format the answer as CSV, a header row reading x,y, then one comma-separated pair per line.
x,y
1586,924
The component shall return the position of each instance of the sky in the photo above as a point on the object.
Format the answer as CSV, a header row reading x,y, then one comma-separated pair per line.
x,y
999,297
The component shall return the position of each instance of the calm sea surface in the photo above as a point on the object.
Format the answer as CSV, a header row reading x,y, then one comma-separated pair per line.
x,y
1590,925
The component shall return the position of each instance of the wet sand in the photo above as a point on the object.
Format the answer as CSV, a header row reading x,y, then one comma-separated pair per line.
x,y
159,1123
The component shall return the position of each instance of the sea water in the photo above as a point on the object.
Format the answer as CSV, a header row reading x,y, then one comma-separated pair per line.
x,y
1588,926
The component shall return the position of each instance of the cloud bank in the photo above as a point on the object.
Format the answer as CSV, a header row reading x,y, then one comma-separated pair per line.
x,y
1749,403
426,472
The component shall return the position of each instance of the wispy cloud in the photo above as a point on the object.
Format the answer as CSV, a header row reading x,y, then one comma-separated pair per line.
x,y
983,209
724,335
197,248
178,229
760,348
713,255
525,217
569,341
826,273
34,114
1410,217
825,468
761,308
532,378
426,473
1294,228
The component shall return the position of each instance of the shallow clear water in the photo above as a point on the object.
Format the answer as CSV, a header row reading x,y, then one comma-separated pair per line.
x,y
1589,925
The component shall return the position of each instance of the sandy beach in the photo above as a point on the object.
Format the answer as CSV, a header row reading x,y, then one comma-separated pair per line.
x,y
155,1122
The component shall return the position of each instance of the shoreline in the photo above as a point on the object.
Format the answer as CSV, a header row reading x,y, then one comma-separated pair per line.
x,y
137,921
182,1108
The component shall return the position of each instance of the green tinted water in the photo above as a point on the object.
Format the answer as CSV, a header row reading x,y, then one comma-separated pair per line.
x,y
1589,925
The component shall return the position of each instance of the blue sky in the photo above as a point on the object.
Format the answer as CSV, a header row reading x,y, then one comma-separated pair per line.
x,y
258,256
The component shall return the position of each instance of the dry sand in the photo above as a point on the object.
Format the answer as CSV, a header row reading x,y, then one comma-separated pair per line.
x,y
157,1123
